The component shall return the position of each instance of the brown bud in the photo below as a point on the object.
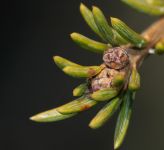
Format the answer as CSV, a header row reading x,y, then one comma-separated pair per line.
x,y
107,79
103,79
116,58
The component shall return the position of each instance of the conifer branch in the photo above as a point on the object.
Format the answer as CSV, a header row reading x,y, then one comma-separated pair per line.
x,y
117,79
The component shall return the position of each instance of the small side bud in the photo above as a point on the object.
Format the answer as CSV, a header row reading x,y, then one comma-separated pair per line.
x,y
78,105
89,44
104,94
80,90
134,82
62,62
105,114
159,47
127,33
108,78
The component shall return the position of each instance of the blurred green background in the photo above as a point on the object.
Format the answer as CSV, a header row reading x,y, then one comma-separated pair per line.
x,y
36,30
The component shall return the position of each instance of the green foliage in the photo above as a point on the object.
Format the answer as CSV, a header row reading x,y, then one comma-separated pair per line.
x,y
88,17
151,7
117,89
159,47
89,44
105,113
127,33
134,82
104,94
80,89
118,80
50,116
102,24
81,104
123,119
82,72
62,62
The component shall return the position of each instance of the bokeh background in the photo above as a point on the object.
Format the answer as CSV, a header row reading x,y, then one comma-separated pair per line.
x,y
36,30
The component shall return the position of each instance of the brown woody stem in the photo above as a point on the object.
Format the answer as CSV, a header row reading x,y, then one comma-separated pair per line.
x,y
153,34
